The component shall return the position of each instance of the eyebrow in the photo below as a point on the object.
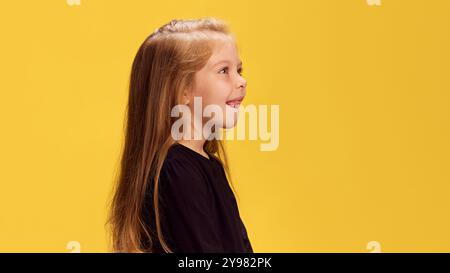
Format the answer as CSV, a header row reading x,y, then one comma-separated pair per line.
x,y
226,61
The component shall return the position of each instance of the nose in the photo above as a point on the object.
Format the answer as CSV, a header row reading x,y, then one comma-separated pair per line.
x,y
242,83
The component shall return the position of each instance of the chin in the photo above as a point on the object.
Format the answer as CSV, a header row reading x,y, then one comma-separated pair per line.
x,y
229,126
231,117
230,123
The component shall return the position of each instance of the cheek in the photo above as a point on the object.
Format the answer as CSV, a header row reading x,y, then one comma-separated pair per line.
x,y
213,91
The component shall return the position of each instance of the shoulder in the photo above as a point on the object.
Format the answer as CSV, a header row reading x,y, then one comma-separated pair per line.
x,y
178,159
180,172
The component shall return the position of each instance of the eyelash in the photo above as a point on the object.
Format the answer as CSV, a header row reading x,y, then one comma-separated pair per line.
x,y
226,68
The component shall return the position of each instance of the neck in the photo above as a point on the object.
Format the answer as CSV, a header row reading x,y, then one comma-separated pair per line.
x,y
193,143
196,145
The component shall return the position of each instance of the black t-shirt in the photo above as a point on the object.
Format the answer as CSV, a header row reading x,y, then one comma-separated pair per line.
x,y
198,209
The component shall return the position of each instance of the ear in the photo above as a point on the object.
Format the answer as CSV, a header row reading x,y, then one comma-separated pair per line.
x,y
187,96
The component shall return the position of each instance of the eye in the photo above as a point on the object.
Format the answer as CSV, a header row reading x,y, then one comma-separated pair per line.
x,y
225,69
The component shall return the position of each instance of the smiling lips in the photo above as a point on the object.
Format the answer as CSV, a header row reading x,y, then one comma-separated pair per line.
x,y
235,103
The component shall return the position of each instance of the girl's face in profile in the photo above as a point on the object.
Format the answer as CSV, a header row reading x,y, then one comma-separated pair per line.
x,y
220,83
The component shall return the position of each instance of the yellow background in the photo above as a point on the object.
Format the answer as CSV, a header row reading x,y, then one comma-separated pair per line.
x,y
364,120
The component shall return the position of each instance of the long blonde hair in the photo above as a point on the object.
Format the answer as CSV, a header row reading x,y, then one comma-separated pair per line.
x,y
164,66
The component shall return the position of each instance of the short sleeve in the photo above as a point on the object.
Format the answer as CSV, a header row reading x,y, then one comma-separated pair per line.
x,y
188,220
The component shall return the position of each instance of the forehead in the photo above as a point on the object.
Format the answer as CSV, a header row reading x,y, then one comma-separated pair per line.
x,y
224,50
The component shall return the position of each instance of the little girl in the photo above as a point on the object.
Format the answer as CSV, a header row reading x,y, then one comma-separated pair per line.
x,y
173,193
